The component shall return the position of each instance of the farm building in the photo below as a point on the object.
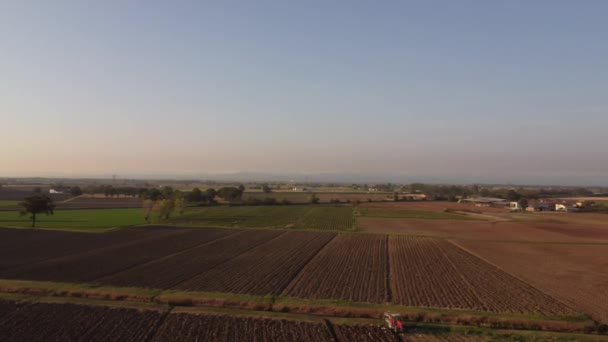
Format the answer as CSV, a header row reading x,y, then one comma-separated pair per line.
x,y
54,191
485,201
299,189
541,205
414,197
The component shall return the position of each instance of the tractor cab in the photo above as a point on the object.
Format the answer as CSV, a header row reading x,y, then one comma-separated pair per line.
x,y
394,322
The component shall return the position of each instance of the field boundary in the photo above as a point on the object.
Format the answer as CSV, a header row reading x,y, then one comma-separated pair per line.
x,y
412,328
286,305
306,264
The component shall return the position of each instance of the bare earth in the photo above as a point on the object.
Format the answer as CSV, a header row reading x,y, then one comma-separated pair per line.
x,y
488,230
577,274
432,206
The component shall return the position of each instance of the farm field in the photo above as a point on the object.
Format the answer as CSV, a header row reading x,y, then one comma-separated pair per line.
x,y
435,273
30,322
375,268
362,333
436,206
52,320
97,263
324,197
284,217
351,267
82,220
167,272
574,273
8,203
91,202
410,214
532,231
199,327
25,246
264,270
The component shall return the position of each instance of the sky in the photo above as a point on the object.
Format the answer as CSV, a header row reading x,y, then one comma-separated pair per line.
x,y
461,91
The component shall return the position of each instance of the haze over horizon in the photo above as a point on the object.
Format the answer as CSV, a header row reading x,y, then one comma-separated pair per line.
x,y
467,91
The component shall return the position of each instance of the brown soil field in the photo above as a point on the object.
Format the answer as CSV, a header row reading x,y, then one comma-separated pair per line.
x,y
69,322
436,273
198,327
85,202
485,230
173,270
373,268
575,274
433,206
88,266
421,275
364,333
351,267
18,194
266,269
25,246
592,219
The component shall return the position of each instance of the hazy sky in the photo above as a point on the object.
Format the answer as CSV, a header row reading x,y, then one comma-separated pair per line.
x,y
504,91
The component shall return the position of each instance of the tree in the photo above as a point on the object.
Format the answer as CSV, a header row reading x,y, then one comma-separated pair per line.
x,y
512,195
396,197
230,193
76,191
211,193
37,204
167,192
179,204
523,203
314,199
163,208
266,189
147,206
196,195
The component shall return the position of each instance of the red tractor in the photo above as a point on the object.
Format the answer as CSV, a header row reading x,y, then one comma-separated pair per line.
x,y
394,322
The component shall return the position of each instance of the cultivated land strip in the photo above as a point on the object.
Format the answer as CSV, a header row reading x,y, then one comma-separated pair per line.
x,y
24,318
172,270
252,270
202,244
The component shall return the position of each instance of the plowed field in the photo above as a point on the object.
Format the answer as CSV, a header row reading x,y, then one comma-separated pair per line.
x,y
188,327
99,263
433,272
351,267
69,322
23,246
365,333
575,274
170,271
266,269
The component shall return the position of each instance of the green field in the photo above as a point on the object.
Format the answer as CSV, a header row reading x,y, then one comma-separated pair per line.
x,y
88,220
286,217
8,203
413,214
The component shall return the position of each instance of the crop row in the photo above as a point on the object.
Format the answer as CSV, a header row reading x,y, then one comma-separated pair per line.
x,y
436,273
85,267
69,322
351,267
266,269
404,270
50,322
